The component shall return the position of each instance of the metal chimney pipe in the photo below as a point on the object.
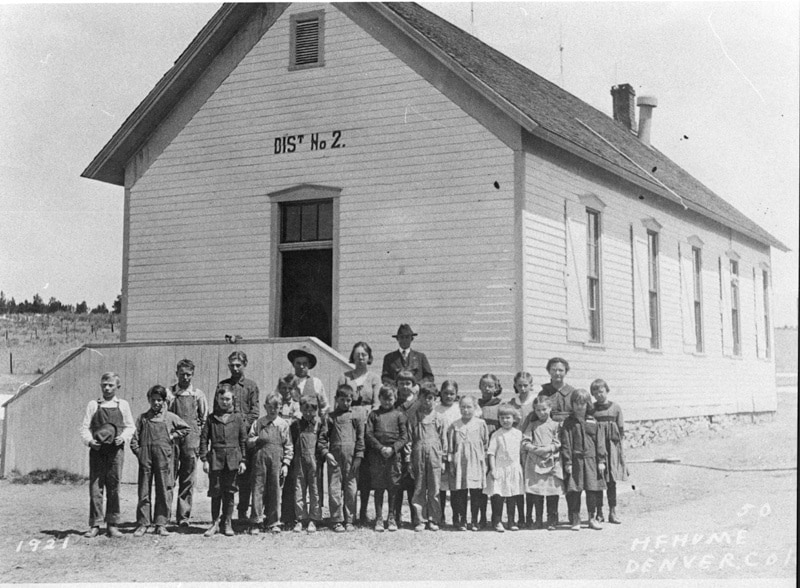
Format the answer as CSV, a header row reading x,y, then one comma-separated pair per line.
x,y
646,105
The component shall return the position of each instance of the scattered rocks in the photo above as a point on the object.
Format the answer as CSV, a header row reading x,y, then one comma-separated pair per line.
x,y
641,433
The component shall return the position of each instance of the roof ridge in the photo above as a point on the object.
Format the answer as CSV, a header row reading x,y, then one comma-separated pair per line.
x,y
556,112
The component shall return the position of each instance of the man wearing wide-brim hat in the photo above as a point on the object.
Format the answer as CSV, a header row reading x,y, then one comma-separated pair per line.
x,y
406,358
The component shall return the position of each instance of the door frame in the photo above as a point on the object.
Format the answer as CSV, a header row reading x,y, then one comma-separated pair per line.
x,y
299,193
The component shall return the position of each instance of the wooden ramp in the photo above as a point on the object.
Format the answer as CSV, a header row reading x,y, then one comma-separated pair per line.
x,y
42,421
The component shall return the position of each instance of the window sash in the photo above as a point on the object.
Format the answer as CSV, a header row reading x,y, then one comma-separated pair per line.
x,y
767,338
305,222
697,263
593,274
652,258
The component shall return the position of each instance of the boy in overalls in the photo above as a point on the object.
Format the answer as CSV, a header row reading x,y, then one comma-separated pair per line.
x,y
304,434
427,432
271,443
341,444
107,425
152,443
190,404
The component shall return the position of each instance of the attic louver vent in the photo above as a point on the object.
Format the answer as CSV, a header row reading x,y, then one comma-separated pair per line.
x,y
307,40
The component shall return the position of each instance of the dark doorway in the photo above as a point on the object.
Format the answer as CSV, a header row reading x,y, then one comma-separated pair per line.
x,y
307,293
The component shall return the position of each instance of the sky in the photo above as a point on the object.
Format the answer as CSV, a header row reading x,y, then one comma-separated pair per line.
x,y
725,75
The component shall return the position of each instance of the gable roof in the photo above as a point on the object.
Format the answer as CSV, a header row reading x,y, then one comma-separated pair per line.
x,y
541,107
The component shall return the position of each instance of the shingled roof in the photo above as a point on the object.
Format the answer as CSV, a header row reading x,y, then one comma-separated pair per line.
x,y
562,118
543,108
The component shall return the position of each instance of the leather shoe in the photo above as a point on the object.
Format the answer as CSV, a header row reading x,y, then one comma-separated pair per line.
x,y
140,530
92,533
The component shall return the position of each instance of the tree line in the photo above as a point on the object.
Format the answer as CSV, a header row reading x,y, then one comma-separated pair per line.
x,y
39,306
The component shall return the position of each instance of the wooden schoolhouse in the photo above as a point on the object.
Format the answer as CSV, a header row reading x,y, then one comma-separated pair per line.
x,y
321,173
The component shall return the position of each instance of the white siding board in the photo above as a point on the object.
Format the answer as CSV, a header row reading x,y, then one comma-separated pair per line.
x,y
662,384
416,176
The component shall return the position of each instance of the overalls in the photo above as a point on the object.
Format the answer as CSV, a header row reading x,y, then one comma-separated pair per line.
x,y
304,468
105,469
426,466
265,476
155,465
342,436
186,453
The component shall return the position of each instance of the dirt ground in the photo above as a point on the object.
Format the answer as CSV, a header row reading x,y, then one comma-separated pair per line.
x,y
679,522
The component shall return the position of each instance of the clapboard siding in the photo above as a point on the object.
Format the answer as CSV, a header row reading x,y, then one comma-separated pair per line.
x,y
424,236
672,381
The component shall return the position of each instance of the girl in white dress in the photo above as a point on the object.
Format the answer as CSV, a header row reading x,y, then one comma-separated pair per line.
x,y
504,478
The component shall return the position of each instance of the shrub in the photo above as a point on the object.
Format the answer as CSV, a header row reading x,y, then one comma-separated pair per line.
x,y
51,476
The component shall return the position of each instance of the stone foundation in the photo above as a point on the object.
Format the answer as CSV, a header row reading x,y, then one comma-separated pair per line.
x,y
641,433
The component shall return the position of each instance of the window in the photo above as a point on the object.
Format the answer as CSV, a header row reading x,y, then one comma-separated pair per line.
x,y
652,267
765,291
735,315
583,268
697,273
593,273
306,47
304,222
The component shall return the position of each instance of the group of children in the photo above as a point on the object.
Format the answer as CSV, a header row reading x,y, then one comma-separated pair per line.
x,y
413,440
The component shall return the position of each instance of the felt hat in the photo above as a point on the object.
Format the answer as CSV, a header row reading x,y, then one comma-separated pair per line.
x,y
295,353
404,329
106,434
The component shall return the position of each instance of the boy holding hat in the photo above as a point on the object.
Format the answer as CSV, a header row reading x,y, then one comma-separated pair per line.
x,y
406,358
107,425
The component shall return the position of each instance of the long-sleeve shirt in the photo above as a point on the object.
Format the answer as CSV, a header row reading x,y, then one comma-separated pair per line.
x,y
91,408
245,398
342,428
427,430
285,435
387,428
176,427
200,399
227,440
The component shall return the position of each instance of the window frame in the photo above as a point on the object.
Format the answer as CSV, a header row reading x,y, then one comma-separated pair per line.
x,y
765,293
316,243
300,18
594,230
736,311
653,287
697,283
301,193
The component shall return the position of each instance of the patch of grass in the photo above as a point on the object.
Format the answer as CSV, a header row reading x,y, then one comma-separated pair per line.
x,y
51,476
38,342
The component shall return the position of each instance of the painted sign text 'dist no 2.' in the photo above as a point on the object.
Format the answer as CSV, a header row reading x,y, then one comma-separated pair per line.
x,y
310,141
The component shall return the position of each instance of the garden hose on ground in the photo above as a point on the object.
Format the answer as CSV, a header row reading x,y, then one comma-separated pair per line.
x,y
677,461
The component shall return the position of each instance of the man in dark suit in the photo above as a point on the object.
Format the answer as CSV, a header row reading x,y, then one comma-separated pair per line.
x,y
406,359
